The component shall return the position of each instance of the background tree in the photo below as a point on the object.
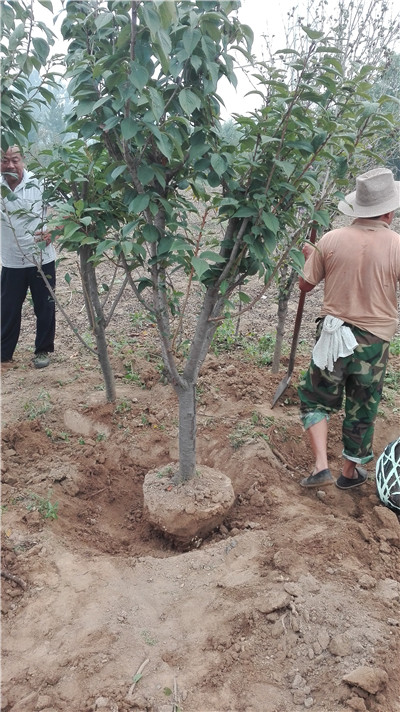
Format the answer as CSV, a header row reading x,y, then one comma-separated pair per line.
x,y
25,46
360,35
145,81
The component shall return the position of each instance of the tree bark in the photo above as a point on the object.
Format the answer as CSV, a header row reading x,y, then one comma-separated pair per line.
x,y
96,319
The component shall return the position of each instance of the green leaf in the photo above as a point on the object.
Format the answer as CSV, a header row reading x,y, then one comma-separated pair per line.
x,y
271,222
163,42
164,145
157,103
129,128
244,298
191,38
42,49
200,266
245,212
145,174
213,256
47,4
139,203
164,246
189,101
150,233
139,75
168,14
218,163
117,172
104,19
286,166
312,34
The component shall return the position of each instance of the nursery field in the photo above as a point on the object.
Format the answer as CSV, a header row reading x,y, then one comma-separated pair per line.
x,y
291,604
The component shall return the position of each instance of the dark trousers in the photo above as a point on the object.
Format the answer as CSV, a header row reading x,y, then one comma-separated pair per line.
x,y
14,288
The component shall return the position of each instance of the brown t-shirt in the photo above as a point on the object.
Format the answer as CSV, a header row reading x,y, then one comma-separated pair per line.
x,y
361,267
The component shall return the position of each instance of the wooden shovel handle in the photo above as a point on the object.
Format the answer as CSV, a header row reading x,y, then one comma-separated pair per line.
x,y
299,315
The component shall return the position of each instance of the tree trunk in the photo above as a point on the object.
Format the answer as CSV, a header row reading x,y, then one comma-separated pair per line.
x,y
283,304
187,431
185,384
96,319
285,291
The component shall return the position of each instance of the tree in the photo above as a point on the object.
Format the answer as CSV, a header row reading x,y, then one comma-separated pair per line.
x,y
25,47
87,216
145,81
357,42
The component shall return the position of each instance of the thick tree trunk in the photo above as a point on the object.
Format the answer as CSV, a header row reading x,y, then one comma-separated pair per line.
x,y
283,304
187,431
284,295
96,320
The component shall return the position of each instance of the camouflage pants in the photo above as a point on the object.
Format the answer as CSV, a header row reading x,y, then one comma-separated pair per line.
x,y
360,378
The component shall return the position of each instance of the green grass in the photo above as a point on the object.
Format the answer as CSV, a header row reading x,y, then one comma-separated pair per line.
x,y
260,350
46,508
395,346
35,408
251,429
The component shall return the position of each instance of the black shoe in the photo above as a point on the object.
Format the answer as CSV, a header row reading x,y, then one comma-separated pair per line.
x,y
41,360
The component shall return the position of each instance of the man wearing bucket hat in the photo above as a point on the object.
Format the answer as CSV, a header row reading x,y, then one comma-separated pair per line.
x,y
360,264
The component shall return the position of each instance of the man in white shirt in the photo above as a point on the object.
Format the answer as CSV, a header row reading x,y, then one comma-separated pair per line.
x,y
24,249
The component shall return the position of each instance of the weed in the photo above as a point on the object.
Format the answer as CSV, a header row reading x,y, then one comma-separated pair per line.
x,y
81,441
395,346
100,437
144,420
34,409
64,436
260,351
123,407
45,507
225,337
138,319
132,376
148,639
251,429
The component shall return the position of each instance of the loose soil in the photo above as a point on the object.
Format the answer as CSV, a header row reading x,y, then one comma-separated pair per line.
x,y
291,604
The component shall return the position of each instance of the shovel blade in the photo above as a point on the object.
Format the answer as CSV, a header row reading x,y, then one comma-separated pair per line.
x,y
281,388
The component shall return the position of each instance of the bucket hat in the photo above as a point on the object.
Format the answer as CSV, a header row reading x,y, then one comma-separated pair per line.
x,y
376,193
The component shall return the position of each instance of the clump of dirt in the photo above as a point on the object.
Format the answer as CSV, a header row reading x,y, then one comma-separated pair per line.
x,y
291,603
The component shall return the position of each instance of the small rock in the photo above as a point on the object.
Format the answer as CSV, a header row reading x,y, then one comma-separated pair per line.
x,y
273,601
365,534
340,646
367,582
357,704
372,680
387,518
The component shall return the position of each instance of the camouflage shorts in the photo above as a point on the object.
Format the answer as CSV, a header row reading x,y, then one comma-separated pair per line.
x,y
359,378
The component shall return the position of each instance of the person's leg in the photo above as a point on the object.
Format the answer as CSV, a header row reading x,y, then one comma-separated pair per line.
x,y
320,393
318,437
14,287
363,395
44,307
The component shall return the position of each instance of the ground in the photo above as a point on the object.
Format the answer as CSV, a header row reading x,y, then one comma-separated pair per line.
x,y
291,604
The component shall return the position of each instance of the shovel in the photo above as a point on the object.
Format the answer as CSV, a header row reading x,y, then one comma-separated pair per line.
x,y
286,380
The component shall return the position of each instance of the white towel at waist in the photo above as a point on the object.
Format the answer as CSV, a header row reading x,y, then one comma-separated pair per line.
x,y
335,341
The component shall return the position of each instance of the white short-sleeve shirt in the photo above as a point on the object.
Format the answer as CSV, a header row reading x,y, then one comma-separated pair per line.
x,y
20,218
